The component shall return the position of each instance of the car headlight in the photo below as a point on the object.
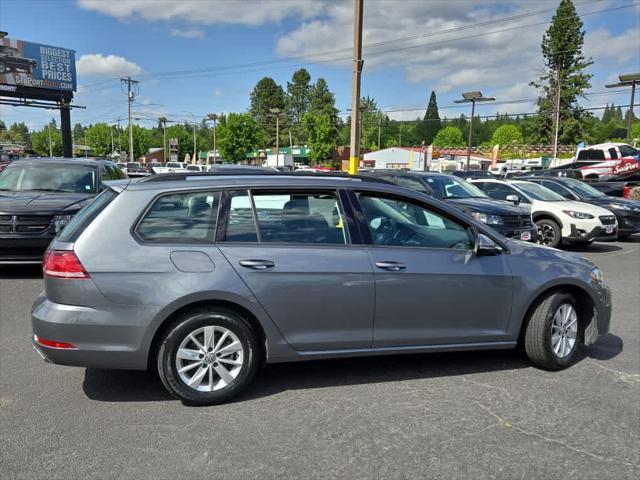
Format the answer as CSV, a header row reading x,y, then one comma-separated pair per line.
x,y
620,206
597,275
59,222
488,219
579,215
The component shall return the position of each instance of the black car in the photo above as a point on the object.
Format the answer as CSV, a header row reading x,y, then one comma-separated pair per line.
x,y
626,211
38,197
504,217
468,174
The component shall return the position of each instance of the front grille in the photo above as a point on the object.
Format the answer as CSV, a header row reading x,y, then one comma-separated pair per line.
x,y
25,223
608,219
516,221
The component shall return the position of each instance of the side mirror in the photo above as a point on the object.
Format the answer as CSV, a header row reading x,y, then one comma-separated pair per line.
x,y
485,246
513,198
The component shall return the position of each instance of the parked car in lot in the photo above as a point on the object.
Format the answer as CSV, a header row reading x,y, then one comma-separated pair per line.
x,y
501,215
38,196
605,161
469,174
171,167
626,211
215,275
558,220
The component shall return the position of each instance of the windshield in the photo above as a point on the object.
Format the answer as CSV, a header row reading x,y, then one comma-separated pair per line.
x,y
583,189
174,165
133,165
22,177
446,186
538,192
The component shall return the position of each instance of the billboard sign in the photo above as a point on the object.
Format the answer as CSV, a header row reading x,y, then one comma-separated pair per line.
x,y
26,64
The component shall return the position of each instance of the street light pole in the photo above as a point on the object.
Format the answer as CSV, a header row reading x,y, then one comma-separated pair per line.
x,y
626,80
557,117
276,112
472,98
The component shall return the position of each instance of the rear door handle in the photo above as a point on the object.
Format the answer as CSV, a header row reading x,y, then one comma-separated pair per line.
x,y
393,266
257,264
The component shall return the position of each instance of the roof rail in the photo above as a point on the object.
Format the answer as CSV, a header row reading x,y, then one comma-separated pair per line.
x,y
179,176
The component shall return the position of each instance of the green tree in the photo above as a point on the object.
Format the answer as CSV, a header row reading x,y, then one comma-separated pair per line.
x,y
298,101
506,135
371,117
237,134
40,141
562,51
321,134
98,137
323,102
449,137
141,141
267,95
431,123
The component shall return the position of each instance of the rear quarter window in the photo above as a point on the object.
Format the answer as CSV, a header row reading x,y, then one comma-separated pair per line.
x,y
86,215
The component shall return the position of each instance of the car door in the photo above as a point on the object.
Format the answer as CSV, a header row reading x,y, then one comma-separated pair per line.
x,y
430,286
295,251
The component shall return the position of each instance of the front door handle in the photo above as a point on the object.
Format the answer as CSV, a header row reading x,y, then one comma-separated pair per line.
x,y
257,264
393,266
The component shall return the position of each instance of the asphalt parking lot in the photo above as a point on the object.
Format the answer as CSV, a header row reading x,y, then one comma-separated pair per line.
x,y
475,415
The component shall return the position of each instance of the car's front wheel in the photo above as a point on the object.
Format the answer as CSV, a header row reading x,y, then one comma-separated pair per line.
x,y
208,357
549,232
552,333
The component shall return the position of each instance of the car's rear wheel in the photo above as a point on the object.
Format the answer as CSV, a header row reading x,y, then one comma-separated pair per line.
x,y
552,333
208,357
549,232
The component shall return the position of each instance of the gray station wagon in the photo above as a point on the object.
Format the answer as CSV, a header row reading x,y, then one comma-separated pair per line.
x,y
206,277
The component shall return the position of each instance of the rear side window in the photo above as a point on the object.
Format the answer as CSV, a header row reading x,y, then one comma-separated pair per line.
x,y
591,154
85,216
188,217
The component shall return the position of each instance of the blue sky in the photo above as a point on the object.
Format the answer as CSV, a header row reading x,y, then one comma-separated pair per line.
x,y
409,54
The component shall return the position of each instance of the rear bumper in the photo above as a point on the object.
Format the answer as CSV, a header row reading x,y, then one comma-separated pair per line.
x,y
597,233
104,339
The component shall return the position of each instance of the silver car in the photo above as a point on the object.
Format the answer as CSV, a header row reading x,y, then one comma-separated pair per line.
x,y
205,278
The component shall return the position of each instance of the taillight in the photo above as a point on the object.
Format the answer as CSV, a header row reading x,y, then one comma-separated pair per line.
x,y
63,264
54,344
625,191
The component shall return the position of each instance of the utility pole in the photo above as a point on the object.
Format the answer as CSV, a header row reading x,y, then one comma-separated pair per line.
x,y
276,112
213,117
379,124
50,147
290,139
557,116
112,144
354,157
130,98
472,97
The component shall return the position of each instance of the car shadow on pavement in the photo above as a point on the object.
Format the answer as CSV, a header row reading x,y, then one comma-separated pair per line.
x,y
598,247
27,272
136,386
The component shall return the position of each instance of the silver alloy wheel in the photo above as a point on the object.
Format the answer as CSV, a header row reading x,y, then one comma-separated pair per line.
x,y
564,330
209,358
546,234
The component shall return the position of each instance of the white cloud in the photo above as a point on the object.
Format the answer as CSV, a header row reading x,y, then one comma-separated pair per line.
x,y
206,12
603,46
187,33
96,64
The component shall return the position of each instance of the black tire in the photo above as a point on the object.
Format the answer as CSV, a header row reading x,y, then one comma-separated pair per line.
x,y
537,339
549,232
189,323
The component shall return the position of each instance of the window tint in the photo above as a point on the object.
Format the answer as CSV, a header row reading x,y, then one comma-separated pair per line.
x,y
591,154
613,154
288,217
559,189
500,191
413,184
180,218
85,216
105,173
241,226
405,224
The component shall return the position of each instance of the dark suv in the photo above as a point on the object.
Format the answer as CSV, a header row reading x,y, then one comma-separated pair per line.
x,y
504,217
38,196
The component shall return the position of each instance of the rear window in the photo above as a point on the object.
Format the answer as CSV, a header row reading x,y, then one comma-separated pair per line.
x,y
85,216
593,154
180,218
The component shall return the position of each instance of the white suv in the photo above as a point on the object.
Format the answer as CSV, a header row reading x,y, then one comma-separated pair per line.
x,y
557,219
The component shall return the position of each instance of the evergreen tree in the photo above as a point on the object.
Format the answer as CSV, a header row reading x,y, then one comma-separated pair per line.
x,y
267,95
431,123
606,115
323,102
618,115
562,51
298,100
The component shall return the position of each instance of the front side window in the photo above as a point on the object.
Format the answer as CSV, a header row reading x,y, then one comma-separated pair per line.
x,y
500,191
47,177
613,154
538,192
300,217
559,189
188,217
106,174
448,186
627,151
395,222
